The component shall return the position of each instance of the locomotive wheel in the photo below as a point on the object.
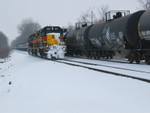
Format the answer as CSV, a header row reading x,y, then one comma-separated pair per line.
x,y
36,52
29,51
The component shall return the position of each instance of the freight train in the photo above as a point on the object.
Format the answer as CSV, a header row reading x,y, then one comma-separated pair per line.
x,y
122,33
48,43
126,34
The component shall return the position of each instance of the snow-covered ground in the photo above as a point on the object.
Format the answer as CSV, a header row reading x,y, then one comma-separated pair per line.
x,y
33,85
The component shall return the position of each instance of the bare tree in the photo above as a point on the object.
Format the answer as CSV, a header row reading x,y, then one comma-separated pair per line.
x,y
88,17
25,29
70,27
145,4
102,11
28,26
4,47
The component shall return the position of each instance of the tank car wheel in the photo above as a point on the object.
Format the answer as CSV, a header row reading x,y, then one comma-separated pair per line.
x,y
131,57
137,58
131,60
95,57
137,61
98,57
147,60
90,55
107,57
111,57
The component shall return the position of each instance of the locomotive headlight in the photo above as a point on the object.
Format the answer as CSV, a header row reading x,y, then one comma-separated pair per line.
x,y
52,48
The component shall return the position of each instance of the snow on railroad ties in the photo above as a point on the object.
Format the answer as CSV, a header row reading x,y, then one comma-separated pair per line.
x,y
43,86
136,70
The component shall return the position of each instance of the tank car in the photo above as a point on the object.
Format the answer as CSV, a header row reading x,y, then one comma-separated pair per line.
x,y
77,41
122,35
144,32
47,42
126,34
98,47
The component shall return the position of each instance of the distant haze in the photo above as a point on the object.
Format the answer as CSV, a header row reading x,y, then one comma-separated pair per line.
x,y
52,12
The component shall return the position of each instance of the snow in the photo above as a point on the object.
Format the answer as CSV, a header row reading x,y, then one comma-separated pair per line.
x,y
44,86
136,70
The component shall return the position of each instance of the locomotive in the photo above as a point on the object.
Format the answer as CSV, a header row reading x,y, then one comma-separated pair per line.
x,y
48,42
125,33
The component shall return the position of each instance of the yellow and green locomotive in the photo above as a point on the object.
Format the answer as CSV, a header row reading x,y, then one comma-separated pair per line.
x,y
48,42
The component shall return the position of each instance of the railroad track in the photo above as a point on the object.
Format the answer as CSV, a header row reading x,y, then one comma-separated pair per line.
x,y
88,65
115,67
107,60
98,69
110,60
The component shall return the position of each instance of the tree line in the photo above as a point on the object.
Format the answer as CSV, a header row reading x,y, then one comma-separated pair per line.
x,y
25,29
4,47
145,4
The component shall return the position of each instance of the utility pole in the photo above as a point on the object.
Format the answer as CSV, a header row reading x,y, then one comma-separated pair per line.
x,y
91,17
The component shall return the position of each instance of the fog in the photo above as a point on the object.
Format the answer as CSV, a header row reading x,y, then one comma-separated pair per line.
x,y
52,12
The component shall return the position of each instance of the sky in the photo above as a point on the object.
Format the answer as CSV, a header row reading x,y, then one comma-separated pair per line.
x,y
52,12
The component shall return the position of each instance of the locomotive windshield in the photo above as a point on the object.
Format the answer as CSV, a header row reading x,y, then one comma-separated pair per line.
x,y
51,29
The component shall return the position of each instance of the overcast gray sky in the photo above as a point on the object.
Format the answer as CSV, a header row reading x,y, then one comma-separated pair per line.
x,y
52,12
